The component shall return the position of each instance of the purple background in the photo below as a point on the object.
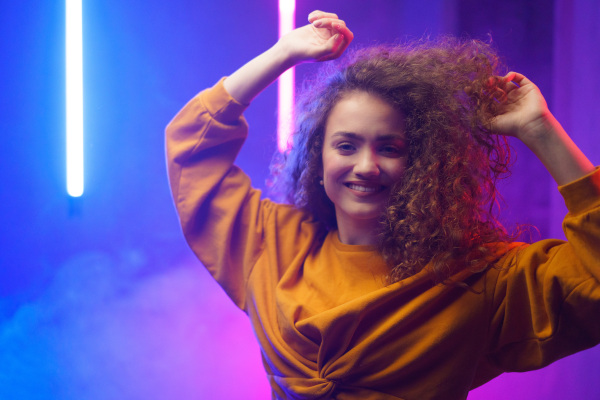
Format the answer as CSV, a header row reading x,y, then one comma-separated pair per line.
x,y
99,297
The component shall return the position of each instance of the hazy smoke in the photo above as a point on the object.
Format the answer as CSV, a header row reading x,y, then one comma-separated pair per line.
x,y
102,330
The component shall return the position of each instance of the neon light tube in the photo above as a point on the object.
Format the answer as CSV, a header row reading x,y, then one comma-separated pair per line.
x,y
286,82
74,97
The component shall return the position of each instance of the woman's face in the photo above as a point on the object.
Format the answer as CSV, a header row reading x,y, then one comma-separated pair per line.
x,y
364,154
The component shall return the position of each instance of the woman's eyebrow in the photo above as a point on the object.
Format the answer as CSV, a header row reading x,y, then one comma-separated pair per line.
x,y
390,136
379,138
348,135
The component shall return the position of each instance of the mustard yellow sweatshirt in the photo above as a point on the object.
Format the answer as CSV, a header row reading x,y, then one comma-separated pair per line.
x,y
328,324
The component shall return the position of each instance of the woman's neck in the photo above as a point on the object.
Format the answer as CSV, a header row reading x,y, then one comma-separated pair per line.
x,y
358,232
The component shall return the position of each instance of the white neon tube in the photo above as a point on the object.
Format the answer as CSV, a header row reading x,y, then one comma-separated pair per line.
x,y
74,97
286,82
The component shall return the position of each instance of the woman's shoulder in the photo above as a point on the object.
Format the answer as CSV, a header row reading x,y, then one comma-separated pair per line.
x,y
287,218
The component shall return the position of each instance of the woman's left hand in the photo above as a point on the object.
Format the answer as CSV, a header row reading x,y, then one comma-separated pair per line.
x,y
523,112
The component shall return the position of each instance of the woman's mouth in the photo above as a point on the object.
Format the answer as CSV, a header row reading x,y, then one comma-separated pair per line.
x,y
370,188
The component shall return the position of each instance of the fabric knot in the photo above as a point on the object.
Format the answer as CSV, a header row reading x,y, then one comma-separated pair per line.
x,y
304,388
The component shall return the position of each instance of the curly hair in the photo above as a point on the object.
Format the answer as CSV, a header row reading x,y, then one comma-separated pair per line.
x,y
440,214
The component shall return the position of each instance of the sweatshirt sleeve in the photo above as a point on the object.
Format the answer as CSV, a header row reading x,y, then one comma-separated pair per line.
x,y
220,213
546,296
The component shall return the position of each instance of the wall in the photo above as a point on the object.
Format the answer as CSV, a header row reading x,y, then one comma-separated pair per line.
x,y
100,297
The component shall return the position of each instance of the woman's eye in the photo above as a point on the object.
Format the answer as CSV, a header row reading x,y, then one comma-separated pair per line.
x,y
391,150
345,147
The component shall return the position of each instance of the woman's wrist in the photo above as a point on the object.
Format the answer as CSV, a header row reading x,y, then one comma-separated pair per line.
x,y
256,75
282,57
541,131
557,151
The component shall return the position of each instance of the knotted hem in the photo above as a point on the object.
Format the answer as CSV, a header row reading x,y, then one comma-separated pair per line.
x,y
302,388
285,388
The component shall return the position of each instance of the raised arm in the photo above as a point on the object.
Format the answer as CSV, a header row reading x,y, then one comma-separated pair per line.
x,y
525,115
325,38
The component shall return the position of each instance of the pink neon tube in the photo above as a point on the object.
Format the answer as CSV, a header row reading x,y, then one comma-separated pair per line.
x,y
285,88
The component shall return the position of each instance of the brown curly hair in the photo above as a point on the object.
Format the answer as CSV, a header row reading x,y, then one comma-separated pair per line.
x,y
440,213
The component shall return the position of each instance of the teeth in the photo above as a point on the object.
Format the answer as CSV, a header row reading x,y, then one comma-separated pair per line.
x,y
361,188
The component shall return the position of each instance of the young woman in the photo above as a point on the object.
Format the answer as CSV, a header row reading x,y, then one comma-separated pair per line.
x,y
388,277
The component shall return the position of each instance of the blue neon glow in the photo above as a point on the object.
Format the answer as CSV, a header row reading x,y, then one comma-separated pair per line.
x,y
74,96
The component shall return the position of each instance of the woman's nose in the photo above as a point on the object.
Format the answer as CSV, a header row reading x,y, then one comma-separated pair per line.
x,y
367,164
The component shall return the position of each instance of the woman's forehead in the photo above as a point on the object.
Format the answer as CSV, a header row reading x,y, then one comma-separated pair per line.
x,y
362,112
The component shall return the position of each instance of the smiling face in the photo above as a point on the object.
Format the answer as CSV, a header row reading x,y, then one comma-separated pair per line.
x,y
364,154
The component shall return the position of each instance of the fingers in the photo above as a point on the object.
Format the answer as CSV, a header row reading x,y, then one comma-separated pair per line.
x,y
514,80
509,77
333,30
329,23
502,85
341,28
315,15
335,46
335,26
517,79
320,19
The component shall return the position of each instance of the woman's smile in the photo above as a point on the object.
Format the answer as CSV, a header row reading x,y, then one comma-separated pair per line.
x,y
365,187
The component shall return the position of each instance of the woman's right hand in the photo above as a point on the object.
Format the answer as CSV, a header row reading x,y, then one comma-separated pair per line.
x,y
325,38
